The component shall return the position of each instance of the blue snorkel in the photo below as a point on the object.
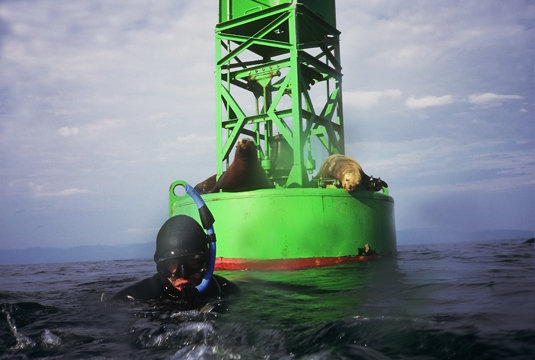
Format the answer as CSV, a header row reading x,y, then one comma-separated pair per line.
x,y
207,220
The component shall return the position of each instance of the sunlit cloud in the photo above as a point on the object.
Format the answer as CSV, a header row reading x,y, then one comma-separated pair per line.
x,y
428,101
68,131
491,98
369,99
40,190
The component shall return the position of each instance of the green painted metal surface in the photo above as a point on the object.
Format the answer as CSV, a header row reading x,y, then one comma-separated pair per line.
x,y
296,223
231,9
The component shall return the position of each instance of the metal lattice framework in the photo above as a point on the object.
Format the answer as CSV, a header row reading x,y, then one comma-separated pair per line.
x,y
278,80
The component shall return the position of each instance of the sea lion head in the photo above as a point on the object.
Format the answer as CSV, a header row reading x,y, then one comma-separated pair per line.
x,y
246,148
350,180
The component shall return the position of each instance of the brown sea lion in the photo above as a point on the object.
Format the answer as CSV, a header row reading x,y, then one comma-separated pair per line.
x,y
350,174
244,173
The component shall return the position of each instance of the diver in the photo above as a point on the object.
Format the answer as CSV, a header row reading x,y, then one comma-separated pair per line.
x,y
185,259
181,259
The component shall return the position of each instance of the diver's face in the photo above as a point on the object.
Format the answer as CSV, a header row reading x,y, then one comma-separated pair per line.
x,y
172,267
185,270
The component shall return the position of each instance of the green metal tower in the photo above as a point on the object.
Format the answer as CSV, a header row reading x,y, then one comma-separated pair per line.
x,y
279,81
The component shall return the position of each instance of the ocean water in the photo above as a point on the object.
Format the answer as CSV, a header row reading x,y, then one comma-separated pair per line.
x,y
450,301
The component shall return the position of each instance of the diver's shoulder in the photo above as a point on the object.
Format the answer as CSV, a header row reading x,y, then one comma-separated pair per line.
x,y
146,289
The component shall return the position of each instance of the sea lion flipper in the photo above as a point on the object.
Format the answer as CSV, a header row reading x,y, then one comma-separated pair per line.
x,y
217,185
206,186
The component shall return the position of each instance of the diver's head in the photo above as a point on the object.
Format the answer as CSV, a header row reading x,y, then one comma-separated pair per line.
x,y
181,248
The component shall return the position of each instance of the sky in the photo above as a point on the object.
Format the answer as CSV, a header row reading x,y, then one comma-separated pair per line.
x,y
104,103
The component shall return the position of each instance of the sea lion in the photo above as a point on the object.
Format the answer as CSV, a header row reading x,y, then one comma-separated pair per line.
x,y
350,174
244,173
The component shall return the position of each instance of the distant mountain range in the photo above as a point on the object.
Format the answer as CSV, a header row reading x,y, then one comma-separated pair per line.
x,y
36,255
437,236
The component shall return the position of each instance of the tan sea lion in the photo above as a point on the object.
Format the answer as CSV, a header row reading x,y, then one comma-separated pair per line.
x,y
350,174
244,173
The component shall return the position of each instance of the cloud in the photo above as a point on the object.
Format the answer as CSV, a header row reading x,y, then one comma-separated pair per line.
x,y
491,98
479,185
444,160
40,191
514,163
369,99
133,110
428,101
196,146
105,125
68,131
